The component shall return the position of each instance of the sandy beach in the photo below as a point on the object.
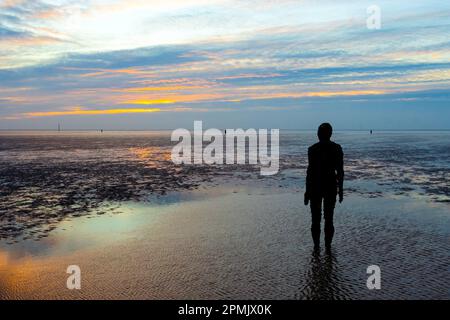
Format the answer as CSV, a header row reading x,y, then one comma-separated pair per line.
x,y
217,234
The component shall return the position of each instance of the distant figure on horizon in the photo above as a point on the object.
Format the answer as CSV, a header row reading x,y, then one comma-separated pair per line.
x,y
370,131
324,180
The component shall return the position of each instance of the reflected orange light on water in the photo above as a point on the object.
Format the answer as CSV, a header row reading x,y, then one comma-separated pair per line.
x,y
151,156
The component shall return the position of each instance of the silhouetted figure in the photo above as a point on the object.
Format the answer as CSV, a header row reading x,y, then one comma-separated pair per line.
x,y
370,131
324,180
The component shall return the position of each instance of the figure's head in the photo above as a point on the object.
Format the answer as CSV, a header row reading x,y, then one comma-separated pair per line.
x,y
325,131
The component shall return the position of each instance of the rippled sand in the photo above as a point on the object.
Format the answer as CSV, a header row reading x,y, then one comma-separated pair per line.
x,y
239,242
221,233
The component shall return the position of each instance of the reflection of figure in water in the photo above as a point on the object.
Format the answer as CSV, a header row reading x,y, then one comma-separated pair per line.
x,y
322,280
324,179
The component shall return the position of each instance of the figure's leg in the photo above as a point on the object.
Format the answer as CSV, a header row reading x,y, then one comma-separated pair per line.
x,y
316,208
329,203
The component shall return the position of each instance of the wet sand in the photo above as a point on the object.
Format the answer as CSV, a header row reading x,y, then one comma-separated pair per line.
x,y
140,227
237,242
46,177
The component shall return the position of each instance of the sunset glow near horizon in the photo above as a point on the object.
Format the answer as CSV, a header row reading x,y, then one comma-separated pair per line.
x,y
161,64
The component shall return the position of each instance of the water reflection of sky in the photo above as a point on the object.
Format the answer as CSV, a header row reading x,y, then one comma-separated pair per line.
x,y
85,232
93,231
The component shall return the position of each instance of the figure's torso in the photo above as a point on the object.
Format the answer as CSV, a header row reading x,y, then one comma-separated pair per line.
x,y
324,159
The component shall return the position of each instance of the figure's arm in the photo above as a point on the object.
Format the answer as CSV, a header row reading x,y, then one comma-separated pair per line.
x,y
340,173
308,179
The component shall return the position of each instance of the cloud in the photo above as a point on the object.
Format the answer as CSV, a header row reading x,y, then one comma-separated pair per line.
x,y
81,111
206,55
148,101
6,33
162,88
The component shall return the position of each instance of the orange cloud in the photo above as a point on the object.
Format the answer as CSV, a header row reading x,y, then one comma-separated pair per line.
x,y
48,14
249,76
189,81
11,3
28,41
79,111
177,98
344,93
165,88
148,101
110,72
237,97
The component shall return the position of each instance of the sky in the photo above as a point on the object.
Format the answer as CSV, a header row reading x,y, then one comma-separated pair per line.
x,y
144,65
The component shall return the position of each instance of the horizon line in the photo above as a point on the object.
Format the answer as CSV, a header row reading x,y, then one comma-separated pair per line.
x,y
170,129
